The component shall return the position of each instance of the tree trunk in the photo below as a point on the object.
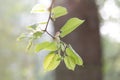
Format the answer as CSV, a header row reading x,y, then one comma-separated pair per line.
x,y
85,40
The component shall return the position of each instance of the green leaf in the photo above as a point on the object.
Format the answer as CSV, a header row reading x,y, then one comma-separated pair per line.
x,y
21,37
58,12
37,34
63,46
39,8
71,25
43,22
70,52
32,27
51,61
69,62
29,44
51,46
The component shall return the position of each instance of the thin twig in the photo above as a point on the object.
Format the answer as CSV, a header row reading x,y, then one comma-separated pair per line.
x,y
50,9
50,34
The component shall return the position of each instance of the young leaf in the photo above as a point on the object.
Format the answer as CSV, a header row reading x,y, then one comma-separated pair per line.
x,y
51,61
74,55
32,27
69,62
51,46
29,45
58,12
37,34
71,25
38,8
43,22
62,47
22,36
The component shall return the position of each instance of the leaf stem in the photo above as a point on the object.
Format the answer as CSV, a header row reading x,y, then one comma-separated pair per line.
x,y
65,46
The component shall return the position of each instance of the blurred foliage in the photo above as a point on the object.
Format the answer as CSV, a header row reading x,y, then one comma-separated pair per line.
x,y
15,64
100,3
111,55
111,48
117,3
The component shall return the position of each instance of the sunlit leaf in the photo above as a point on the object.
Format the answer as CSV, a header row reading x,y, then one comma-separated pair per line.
x,y
51,61
62,47
29,45
51,46
39,8
71,25
32,27
59,11
69,62
22,36
43,22
74,55
37,34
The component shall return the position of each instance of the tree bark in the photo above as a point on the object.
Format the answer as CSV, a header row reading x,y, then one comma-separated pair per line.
x,y
85,40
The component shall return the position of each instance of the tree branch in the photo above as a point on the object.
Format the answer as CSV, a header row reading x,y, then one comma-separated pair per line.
x,y
50,9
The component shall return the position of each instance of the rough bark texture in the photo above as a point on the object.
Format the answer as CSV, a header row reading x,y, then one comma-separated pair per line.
x,y
85,40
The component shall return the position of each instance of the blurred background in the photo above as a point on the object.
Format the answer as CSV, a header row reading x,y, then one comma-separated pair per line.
x,y
97,41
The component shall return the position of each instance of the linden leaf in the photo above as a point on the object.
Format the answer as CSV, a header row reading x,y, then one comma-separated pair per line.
x,y
58,12
37,34
71,25
70,52
51,46
33,27
39,8
51,61
69,62
22,36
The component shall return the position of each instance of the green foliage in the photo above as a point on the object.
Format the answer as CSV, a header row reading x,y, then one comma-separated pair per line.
x,y
22,36
71,52
59,50
32,27
37,34
58,12
71,25
51,46
51,61
29,44
38,8
69,62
